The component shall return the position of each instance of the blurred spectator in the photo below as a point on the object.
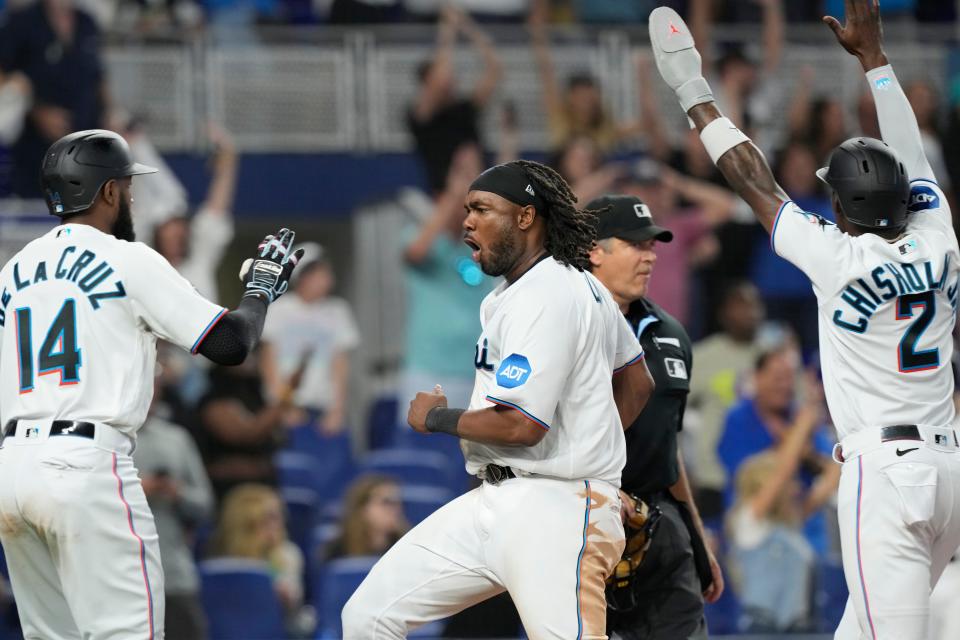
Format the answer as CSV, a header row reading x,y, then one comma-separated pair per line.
x,y
926,106
311,329
786,291
693,242
440,120
579,110
147,16
484,10
239,430
613,11
723,362
444,289
817,122
195,246
180,497
372,519
867,116
765,530
365,11
580,163
251,525
743,89
163,196
57,48
759,423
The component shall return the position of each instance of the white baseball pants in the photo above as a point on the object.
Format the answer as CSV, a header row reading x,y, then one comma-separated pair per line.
x,y
550,543
899,514
79,538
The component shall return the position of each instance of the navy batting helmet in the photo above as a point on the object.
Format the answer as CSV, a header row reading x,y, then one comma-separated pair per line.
x,y
78,165
870,182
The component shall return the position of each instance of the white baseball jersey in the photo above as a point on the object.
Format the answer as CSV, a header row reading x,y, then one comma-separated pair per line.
x,y
887,309
549,346
80,312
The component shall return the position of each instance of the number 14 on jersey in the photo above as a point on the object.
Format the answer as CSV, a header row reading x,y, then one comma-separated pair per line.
x,y
58,352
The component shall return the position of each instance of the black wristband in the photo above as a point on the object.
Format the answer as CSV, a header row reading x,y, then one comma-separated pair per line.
x,y
443,420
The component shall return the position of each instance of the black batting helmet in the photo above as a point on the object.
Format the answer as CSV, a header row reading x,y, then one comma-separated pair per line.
x,y
870,182
78,165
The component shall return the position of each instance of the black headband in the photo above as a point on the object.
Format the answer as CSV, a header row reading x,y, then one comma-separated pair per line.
x,y
511,182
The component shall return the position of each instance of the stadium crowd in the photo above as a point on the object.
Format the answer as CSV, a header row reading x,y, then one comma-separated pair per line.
x,y
258,468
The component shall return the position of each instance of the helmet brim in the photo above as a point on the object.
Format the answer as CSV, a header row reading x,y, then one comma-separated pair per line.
x,y
822,174
137,169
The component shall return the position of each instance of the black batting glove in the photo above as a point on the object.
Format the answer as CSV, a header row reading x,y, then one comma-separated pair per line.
x,y
267,276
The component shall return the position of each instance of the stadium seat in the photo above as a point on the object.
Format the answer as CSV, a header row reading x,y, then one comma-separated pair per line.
x,y
829,595
382,423
338,580
331,458
303,505
723,615
419,501
240,601
411,466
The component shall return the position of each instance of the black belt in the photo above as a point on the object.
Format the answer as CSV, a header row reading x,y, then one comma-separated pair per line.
x,y
495,474
900,432
58,428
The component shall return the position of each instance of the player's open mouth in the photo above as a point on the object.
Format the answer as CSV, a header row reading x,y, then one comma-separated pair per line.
x,y
475,246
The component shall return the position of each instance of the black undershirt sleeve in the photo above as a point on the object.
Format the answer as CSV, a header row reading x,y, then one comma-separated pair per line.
x,y
237,334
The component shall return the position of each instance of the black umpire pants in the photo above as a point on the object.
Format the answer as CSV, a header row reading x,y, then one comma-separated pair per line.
x,y
670,604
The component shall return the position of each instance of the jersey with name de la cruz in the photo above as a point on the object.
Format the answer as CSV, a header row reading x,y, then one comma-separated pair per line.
x,y
80,312
549,346
886,312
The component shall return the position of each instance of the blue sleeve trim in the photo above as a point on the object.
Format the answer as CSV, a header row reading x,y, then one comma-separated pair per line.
x,y
632,362
526,414
933,182
210,326
773,231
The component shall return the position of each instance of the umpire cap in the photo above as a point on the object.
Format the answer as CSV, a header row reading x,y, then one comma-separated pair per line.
x,y
870,182
627,218
78,165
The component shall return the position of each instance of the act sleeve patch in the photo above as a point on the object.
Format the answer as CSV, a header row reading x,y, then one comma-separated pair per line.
x,y
513,371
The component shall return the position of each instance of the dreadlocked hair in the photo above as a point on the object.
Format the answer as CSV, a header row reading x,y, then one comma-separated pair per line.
x,y
571,232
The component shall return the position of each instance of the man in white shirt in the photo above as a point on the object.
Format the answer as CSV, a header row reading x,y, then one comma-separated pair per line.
x,y
544,431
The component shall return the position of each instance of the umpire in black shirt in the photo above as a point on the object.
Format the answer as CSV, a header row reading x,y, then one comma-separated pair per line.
x,y
678,573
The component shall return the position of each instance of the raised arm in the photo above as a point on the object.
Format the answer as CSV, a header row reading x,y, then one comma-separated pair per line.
x,y
441,67
552,101
740,162
492,67
862,36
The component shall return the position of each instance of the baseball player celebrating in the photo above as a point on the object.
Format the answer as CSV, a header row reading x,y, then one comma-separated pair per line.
x,y
80,311
886,281
543,431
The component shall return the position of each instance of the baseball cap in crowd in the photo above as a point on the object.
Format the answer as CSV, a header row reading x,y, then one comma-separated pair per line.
x,y
313,254
628,219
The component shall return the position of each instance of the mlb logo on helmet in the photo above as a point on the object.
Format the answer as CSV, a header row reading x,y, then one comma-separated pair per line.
x,y
513,371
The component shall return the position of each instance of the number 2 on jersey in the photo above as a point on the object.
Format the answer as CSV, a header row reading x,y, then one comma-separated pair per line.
x,y
58,352
909,359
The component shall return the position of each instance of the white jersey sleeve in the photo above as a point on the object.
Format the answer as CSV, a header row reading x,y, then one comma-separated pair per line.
x,y
538,342
814,245
898,123
629,350
165,302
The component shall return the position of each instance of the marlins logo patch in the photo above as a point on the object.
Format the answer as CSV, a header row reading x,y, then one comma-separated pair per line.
x,y
923,198
513,371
